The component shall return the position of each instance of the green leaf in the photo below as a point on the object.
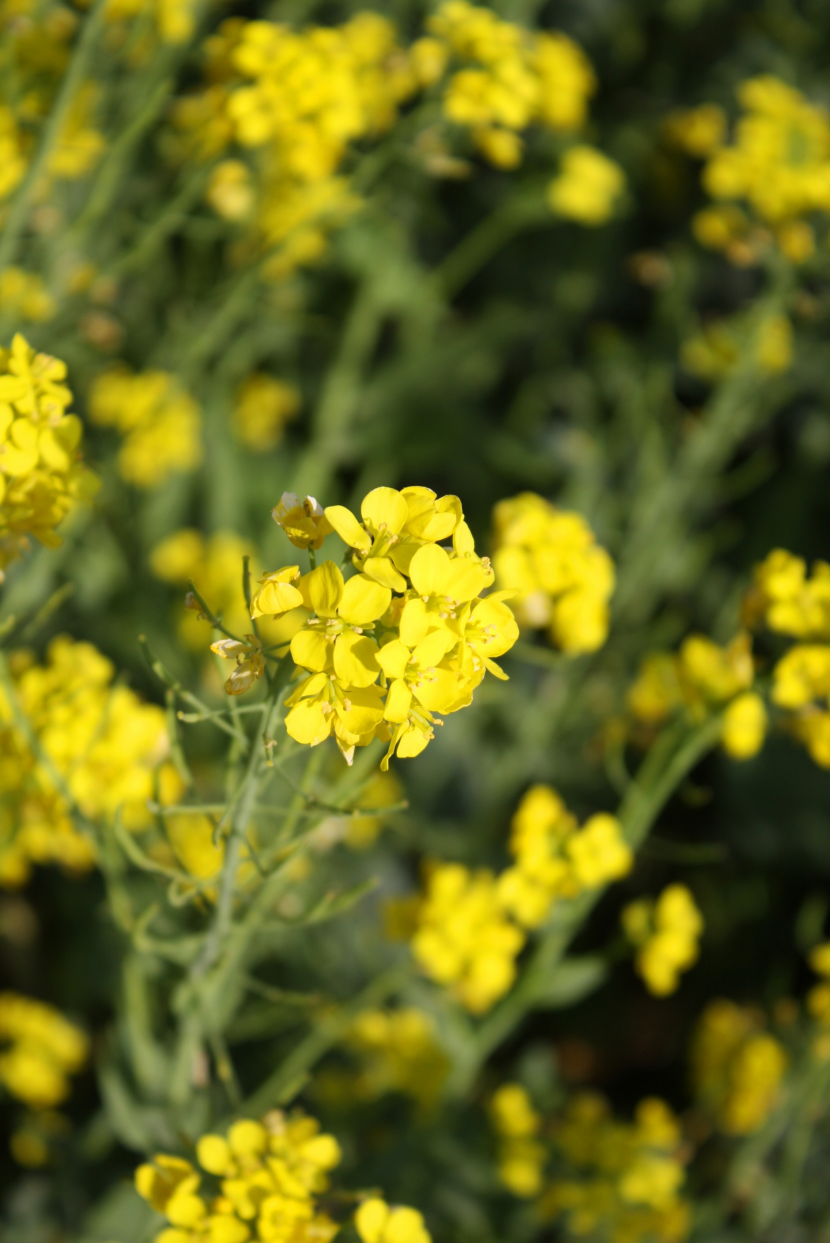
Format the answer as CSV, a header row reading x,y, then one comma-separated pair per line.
x,y
571,981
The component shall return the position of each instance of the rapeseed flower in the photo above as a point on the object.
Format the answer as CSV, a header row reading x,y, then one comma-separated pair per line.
x,y
107,746
627,1177
777,164
702,678
464,939
554,858
399,1052
561,578
160,424
737,1068
270,1174
42,476
588,187
666,932
39,1050
380,664
521,1156
263,407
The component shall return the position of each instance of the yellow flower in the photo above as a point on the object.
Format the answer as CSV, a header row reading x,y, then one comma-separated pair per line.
x,y
521,1157
698,131
160,424
737,1069
395,525
42,476
270,1175
744,726
303,521
400,1053
263,407
41,1049
588,187
598,852
463,939
560,577
376,1222
109,747
667,933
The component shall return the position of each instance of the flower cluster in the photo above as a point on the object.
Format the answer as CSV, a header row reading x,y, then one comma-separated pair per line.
x,y
41,473
522,1157
407,636
464,938
562,579
270,1175
399,1052
23,295
792,603
105,746
737,1068
161,426
263,407
293,102
557,859
470,927
628,1176
702,678
285,107
37,43
777,165
40,1050
666,933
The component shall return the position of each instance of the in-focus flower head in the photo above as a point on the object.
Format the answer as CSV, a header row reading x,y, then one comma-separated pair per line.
x,y
271,1175
381,664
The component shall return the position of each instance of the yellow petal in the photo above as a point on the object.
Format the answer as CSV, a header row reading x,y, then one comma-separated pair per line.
x,y
308,724
370,1220
224,1228
311,650
466,578
355,659
348,527
393,658
405,1225
398,702
433,649
415,621
324,589
185,1210
213,1151
462,540
247,1138
429,571
385,507
274,599
412,742
364,712
381,570
363,601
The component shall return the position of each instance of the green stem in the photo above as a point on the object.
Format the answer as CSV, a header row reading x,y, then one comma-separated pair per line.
x,y
51,133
